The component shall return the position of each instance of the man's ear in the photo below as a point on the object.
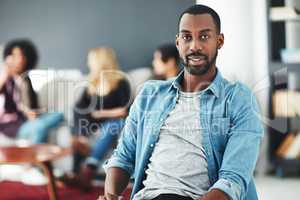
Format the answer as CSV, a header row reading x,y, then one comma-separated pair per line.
x,y
220,40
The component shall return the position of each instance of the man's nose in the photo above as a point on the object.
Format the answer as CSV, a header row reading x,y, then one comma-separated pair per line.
x,y
195,46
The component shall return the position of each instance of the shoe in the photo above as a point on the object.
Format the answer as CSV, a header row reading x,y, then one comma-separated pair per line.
x,y
69,179
83,181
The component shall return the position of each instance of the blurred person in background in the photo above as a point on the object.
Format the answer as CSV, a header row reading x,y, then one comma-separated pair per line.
x,y
20,115
1,58
98,114
165,62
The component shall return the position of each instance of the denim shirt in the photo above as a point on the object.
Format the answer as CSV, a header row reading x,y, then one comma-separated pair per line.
x,y
232,132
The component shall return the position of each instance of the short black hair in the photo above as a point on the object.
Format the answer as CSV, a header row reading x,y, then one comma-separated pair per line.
x,y
28,49
202,9
168,51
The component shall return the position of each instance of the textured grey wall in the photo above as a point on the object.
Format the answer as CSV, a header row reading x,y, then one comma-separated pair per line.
x,y
64,30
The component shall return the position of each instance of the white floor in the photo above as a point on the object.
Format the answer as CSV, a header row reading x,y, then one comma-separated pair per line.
x,y
273,188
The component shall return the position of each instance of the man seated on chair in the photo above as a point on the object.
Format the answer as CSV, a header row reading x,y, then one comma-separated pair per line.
x,y
193,137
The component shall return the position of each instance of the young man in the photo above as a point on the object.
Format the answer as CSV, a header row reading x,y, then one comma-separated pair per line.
x,y
165,62
194,137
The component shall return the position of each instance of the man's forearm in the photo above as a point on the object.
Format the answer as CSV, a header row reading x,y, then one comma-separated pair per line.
x,y
116,181
215,194
120,112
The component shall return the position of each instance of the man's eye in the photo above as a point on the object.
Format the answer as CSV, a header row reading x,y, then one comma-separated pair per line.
x,y
204,37
186,37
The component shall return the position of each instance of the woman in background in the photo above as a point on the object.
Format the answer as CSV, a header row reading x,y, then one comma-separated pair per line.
x,y
99,113
19,113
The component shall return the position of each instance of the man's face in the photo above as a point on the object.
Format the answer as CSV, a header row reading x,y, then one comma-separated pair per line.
x,y
198,42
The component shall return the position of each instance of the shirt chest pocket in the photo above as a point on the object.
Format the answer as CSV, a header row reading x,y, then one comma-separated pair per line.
x,y
219,131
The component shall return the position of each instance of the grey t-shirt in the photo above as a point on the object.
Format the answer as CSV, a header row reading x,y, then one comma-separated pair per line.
x,y
178,164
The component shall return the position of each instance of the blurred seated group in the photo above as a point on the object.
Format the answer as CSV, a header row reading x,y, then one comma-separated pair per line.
x,y
98,112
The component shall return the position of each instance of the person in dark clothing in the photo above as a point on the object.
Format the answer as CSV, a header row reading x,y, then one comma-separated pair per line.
x,y
100,112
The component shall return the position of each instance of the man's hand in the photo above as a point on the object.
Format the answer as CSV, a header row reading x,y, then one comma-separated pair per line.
x,y
115,183
110,197
31,115
215,194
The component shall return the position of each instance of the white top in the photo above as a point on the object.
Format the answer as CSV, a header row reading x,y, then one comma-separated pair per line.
x,y
178,163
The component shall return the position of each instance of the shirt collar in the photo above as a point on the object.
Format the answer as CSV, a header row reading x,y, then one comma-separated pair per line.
x,y
214,87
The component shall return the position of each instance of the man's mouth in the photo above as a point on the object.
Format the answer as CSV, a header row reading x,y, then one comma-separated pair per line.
x,y
196,60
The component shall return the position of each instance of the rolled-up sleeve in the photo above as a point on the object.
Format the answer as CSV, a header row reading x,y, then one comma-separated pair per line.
x,y
232,189
124,155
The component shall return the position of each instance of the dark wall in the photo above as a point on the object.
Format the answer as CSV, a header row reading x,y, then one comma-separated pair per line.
x,y
64,30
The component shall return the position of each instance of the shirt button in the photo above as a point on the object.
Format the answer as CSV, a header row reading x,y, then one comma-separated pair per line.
x,y
228,184
161,119
215,128
151,145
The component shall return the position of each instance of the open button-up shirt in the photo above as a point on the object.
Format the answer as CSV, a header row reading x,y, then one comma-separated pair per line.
x,y
232,132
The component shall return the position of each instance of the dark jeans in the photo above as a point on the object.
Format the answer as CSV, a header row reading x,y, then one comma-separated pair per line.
x,y
109,132
171,197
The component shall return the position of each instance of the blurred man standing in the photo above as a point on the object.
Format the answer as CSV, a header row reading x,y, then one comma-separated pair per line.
x,y
165,62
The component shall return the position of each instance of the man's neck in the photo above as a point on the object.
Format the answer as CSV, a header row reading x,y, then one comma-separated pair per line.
x,y
194,83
